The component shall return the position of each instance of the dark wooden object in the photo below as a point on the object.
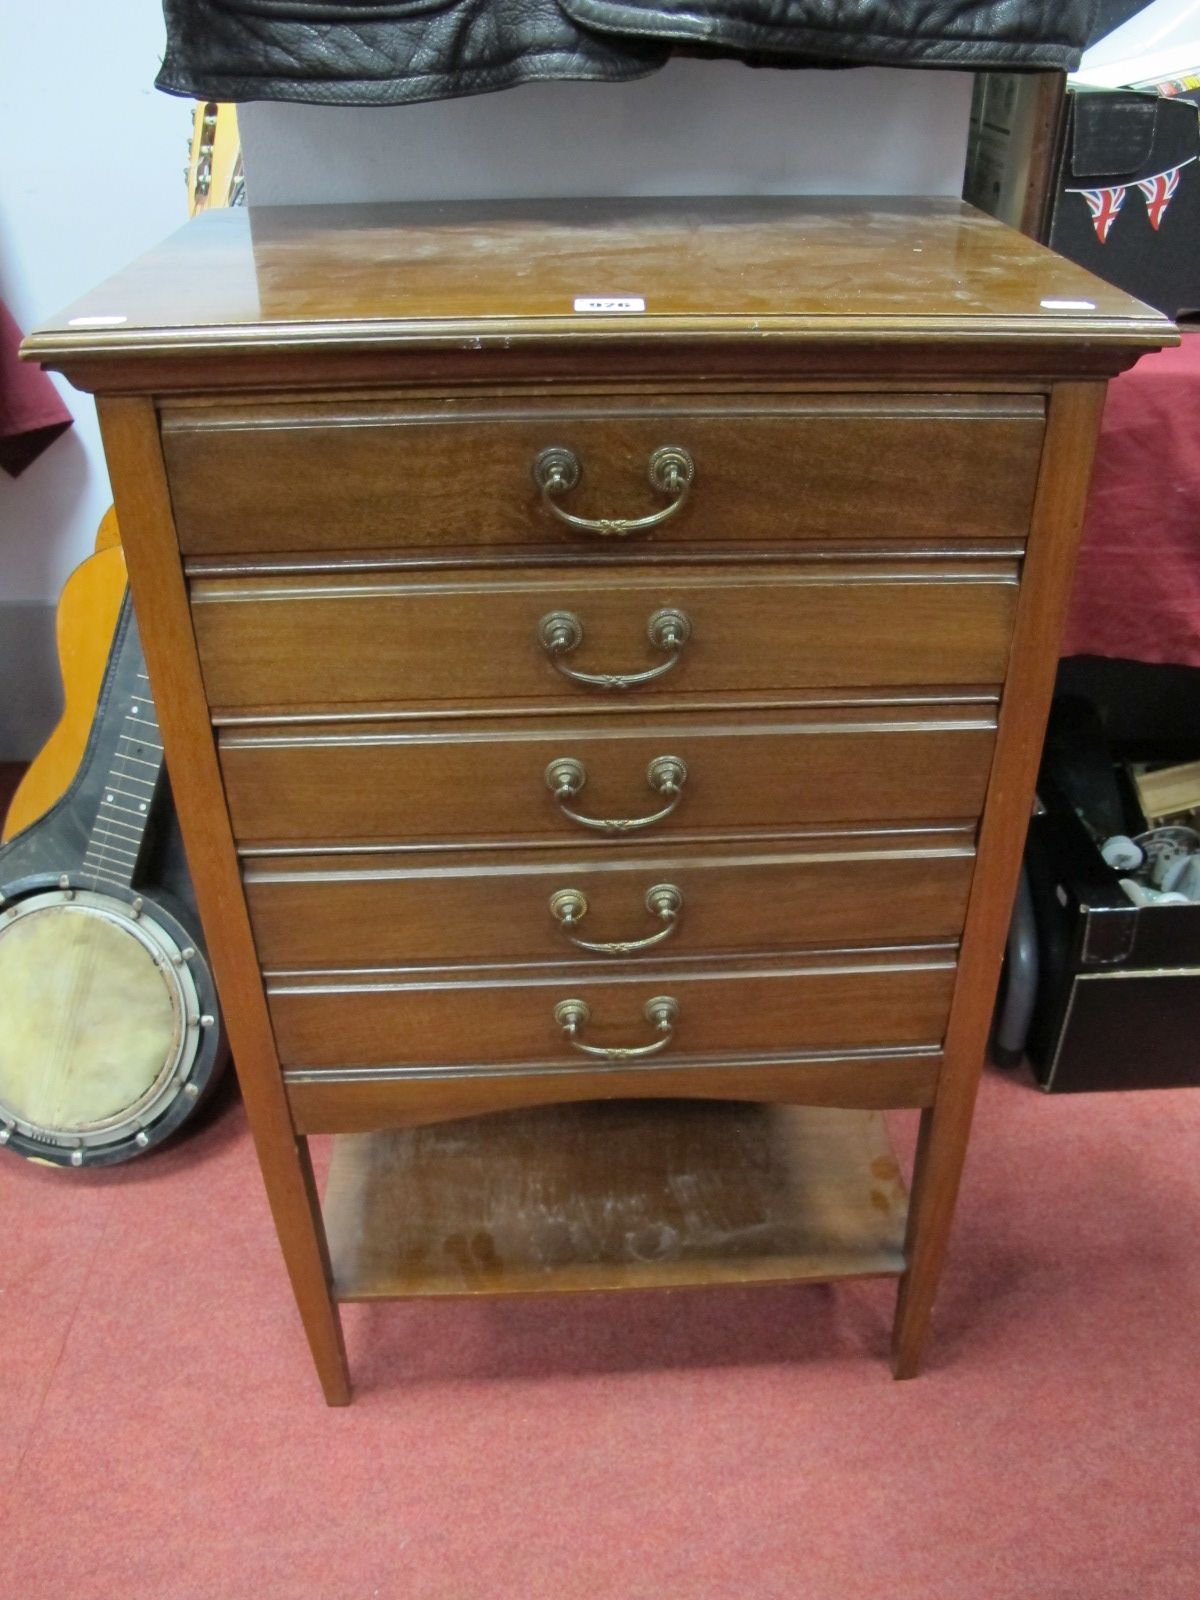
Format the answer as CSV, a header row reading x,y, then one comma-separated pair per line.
x,y
616,1196
482,780
322,428
774,630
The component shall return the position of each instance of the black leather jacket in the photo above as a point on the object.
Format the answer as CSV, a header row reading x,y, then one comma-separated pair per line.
x,y
381,52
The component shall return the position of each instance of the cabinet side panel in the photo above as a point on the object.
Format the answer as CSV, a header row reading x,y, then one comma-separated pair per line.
x,y
133,448
1072,427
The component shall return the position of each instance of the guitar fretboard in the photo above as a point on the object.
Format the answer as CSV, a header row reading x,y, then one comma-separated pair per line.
x,y
115,842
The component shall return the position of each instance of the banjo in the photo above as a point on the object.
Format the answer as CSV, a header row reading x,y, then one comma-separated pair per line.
x,y
110,1033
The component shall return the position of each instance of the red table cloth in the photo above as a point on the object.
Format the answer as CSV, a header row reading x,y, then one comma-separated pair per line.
x,y
31,413
1137,587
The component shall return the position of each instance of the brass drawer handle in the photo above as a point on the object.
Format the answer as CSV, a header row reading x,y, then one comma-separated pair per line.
x,y
666,775
662,1011
560,632
664,901
556,471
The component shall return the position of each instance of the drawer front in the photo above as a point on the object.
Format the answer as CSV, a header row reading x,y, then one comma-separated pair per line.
x,y
355,475
313,642
681,775
402,911
343,1021
340,1101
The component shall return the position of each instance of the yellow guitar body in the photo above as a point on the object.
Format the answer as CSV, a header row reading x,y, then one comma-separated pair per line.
x,y
215,159
87,619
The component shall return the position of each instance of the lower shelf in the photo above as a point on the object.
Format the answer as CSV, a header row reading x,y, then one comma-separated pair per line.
x,y
615,1195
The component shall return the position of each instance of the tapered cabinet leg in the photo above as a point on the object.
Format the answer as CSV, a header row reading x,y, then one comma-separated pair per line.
x,y
296,1209
937,1171
306,1255
1072,424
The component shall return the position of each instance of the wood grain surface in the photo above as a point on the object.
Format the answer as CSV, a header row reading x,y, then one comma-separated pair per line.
x,y
896,277
1074,424
406,910
383,1018
377,475
340,1101
615,1197
131,444
475,637
486,782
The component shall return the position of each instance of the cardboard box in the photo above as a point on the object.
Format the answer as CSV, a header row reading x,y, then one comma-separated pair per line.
x,y
1122,191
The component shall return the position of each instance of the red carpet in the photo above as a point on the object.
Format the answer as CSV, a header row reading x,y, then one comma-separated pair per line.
x,y
164,1438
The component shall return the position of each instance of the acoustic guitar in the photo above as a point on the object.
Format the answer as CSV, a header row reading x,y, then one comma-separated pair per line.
x,y
110,1032
88,609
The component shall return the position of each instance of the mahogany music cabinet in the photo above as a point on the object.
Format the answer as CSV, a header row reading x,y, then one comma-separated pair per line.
x,y
602,652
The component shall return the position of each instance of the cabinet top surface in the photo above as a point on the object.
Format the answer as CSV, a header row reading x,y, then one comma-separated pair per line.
x,y
308,277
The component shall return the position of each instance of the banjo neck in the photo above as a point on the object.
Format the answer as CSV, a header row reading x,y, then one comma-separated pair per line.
x,y
132,775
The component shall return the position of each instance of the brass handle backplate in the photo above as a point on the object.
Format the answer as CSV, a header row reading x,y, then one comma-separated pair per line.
x,y
666,775
664,901
556,471
560,632
663,1012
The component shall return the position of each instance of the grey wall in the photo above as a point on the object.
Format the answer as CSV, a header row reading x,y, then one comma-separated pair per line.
x,y
91,173
697,127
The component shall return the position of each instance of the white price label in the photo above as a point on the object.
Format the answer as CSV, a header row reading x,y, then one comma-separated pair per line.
x,y
610,303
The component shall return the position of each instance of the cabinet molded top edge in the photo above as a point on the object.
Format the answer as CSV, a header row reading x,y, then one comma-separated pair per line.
x,y
324,282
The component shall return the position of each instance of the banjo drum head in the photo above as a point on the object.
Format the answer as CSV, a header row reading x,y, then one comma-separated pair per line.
x,y
98,1021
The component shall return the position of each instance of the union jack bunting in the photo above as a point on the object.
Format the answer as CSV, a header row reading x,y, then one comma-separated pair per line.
x,y
1104,205
1158,191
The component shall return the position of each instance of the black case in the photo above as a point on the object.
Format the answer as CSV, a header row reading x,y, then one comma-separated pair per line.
x,y
1114,140
1118,1003
1105,143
